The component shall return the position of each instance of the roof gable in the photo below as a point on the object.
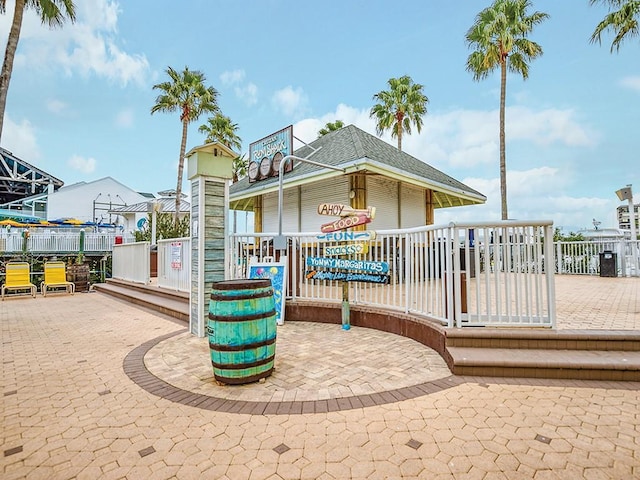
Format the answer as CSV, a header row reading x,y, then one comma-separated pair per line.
x,y
355,149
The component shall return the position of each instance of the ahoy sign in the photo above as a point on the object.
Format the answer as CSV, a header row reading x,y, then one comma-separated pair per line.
x,y
340,210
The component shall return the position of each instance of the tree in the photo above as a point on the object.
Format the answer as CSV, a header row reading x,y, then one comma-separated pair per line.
x,y
399,107
186,93
240,166
330,127
52,12
220,128
622,19
499,37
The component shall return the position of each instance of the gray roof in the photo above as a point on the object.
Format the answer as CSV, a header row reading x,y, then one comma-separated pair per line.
x,y
168,206
360,151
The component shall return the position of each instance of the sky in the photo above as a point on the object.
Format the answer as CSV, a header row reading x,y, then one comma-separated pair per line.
x,y
80,97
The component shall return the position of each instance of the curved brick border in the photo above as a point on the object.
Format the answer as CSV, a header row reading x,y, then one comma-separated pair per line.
x,y
136,370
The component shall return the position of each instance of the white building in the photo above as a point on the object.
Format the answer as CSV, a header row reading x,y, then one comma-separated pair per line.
x,y
93,201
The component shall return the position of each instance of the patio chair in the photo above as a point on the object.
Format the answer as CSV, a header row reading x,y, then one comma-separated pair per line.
x,y
18,278
55,276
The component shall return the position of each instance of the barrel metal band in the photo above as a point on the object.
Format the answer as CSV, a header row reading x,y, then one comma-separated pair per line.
x,y
239,348
246,296
243,318
235,366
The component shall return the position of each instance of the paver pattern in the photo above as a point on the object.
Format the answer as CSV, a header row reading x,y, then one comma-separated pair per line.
x,y
68,410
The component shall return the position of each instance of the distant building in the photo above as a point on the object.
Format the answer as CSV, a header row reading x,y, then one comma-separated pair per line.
x,y
135,216
624,222
92,201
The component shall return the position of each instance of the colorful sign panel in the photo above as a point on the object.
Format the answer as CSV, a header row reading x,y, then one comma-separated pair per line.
x,y
277,273
348,276
348,264
350,249
340,210
266,154
345,222
347,236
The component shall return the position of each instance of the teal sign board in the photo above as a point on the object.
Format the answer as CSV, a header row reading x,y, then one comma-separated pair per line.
x,y
347,264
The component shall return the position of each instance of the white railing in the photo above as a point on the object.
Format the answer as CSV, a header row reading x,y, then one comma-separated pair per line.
x,y
460,274
174,264
131,262
584,257
55,241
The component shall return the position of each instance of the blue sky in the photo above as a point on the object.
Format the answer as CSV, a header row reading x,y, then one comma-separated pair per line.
x,y
80,97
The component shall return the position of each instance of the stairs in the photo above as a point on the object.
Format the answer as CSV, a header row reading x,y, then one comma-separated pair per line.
x,y
169,302
569,354
612,355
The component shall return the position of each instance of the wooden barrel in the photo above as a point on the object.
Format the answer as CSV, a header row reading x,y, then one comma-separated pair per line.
x,y
242,330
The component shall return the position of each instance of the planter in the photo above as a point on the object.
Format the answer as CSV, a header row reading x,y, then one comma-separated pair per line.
x,y
79,275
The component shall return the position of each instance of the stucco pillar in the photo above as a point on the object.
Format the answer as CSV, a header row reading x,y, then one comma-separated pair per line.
x,y
209,175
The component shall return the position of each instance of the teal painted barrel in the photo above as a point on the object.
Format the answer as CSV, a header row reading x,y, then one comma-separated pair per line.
x,y
242,330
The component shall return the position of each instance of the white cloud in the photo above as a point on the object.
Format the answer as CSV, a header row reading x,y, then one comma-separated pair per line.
x,y
248,93
632,83
292,102
232,77
124,119
56,106
82,164
20,139
88,46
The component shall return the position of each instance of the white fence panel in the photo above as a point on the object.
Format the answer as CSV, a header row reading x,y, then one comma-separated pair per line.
x,y
174,264
131,262
461,274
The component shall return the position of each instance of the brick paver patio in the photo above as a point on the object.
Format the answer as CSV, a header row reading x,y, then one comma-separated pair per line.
x,y
68,408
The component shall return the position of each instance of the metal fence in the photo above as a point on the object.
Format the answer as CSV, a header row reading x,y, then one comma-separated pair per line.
x,y
131,262
460,274
56,241
584,257
174,264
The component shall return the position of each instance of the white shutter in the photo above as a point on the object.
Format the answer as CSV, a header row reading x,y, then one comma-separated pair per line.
x,y
413,209
289,211
383,194
333,190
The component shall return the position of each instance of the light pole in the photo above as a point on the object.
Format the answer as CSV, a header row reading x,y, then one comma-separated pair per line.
x,y
627,194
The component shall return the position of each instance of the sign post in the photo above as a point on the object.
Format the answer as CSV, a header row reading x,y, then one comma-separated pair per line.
x,y
349,217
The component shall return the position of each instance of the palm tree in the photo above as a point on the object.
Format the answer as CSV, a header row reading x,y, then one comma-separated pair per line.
x,y
240,166
399,107
186,93
622,18
220,128
330,127
499,37
52,12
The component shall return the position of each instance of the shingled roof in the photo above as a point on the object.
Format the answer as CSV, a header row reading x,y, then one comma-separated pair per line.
x,y
358,151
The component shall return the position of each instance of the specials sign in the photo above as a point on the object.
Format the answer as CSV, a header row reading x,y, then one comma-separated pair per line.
x,y
266,154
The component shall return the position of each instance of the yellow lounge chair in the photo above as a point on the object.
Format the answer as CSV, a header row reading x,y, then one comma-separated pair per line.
x,y
18,278
55,275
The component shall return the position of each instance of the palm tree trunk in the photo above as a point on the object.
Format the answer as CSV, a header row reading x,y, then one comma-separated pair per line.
x,y
9,55
183,148
399,119
503,160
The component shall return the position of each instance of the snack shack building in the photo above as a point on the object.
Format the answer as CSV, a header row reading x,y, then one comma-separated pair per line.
x,y
404,190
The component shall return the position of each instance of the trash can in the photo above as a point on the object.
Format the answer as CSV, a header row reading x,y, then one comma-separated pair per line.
x,y
608,267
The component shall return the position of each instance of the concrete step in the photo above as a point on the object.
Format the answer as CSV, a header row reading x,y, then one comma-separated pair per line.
x,y
546,339
617,365
174,304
